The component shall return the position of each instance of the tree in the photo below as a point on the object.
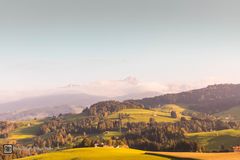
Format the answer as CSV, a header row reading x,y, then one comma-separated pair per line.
x,y
86,142
184,146
173,114
152,121
109,142
183,119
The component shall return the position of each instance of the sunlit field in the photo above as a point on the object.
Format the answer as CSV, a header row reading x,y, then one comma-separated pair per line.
x,y
212,141
143,115
97,154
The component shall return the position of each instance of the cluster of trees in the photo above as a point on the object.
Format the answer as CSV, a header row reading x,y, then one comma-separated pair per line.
x,y
153,137
84,125
20,150
204,125
109,125
6,127
147,136
91,142
54,140
170,136
58,132
103,109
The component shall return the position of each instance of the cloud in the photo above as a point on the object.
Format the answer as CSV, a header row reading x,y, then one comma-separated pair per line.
x,y
129,87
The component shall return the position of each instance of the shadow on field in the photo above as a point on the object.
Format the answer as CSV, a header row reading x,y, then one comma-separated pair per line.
x,y
170,157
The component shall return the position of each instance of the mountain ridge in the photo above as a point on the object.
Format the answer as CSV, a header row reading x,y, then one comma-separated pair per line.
x,y
211,99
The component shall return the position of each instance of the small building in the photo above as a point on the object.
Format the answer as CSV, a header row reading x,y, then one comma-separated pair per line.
x,y
99,145
236,148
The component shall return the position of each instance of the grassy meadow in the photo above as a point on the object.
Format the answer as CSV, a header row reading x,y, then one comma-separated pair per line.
x,y
110,134
198,156
27,130
231,114
97,154
143,115
129,154
212,141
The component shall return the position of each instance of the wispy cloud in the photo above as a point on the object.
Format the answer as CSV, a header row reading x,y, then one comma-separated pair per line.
x,y
129,86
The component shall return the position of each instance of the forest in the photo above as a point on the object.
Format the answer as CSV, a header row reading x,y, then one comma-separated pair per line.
x,y
88,129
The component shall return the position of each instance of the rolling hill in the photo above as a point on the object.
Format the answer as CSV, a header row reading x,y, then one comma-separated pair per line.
x,y
97,154
129,154
198,156
102,122
212,99
230,114
216,140
162,114
27,130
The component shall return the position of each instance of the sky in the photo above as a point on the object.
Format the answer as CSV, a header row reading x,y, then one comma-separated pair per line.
x,y
52,43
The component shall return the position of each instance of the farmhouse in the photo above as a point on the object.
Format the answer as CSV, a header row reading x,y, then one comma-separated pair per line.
x,y
236,148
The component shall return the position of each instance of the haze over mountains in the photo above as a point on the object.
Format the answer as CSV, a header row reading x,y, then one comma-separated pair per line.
x,y
76,97
84,95
42,103
105,88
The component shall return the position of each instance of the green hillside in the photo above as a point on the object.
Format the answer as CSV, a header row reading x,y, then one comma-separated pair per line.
x,y
128,154
26,131
110,134
230,114
199,156
143,115
212,99
172,107
212,141
97,154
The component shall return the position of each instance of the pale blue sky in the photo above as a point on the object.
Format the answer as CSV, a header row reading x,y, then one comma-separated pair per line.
x,y
50,43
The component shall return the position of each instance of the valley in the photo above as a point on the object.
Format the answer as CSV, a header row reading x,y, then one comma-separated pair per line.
x,y
126,130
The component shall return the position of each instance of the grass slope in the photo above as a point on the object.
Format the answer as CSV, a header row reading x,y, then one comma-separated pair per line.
x,y
172,107
143,115
129,154
97,154
110,134
212,141
25,131
231,114
199,156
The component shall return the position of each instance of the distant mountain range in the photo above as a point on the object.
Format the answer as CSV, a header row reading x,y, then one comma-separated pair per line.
x,y
50,101
54,104
47,105
212,99
40,113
